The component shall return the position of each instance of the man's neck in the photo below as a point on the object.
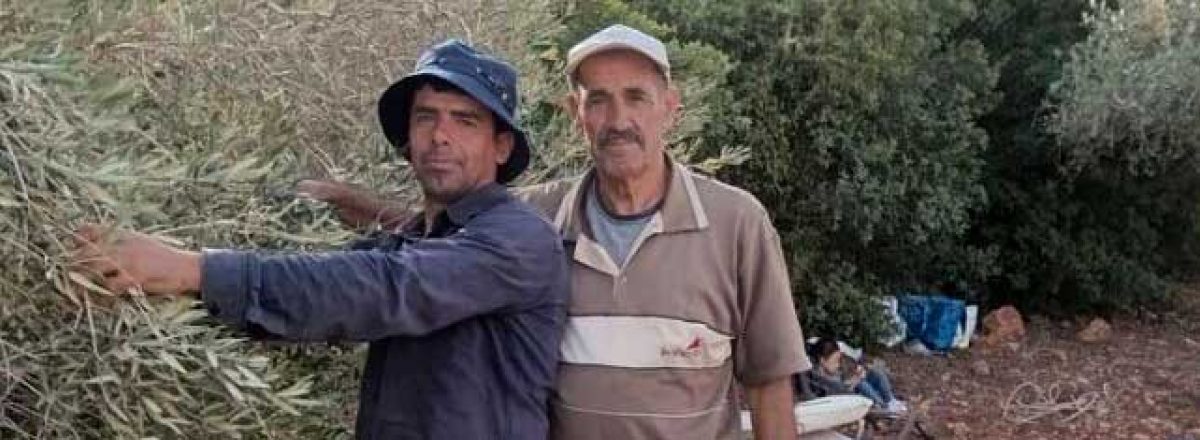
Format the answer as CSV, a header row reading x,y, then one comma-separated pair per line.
x,y
637,194
435,205
432,210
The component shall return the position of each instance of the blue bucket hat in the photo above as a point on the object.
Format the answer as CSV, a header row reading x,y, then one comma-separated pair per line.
x,y
487,79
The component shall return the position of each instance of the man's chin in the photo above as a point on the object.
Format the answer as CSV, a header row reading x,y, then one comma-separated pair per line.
x,y
442,191
444,198
623,148
623,168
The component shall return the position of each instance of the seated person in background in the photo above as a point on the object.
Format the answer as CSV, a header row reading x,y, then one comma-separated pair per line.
x,y
829,377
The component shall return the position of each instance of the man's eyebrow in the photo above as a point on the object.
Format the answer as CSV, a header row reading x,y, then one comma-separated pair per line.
x,y
466,114
636,90
597,92
470,114
424,109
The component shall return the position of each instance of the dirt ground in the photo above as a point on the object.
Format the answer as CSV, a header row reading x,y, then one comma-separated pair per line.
x,y
1143,383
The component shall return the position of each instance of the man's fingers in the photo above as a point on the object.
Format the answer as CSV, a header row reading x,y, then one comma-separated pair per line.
x,y
89,240
85,252
89,233
92,256
99,266
121,283
100,254
89,253
330,191
314,189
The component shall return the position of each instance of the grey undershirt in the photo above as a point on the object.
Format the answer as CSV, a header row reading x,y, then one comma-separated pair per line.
x,y
615,233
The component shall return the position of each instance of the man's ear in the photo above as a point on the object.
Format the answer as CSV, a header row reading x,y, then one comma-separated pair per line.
x,y
570,104
674,102
567,103
505,142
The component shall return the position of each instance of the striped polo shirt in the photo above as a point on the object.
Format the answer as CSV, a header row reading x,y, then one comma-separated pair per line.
x,y
655,347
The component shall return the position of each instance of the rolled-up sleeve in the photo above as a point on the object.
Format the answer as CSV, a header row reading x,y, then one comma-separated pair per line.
x,y
373,294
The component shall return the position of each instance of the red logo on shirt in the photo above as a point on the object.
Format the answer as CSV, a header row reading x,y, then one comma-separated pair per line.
x,y
691,350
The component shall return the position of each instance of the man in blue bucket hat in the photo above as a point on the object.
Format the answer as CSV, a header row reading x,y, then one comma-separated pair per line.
x,y
490,82
463,307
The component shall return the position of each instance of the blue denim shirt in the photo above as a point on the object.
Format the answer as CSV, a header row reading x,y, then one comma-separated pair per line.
x,y
464,323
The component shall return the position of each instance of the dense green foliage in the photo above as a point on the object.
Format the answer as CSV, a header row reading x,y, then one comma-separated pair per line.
x,y
1026,39
1126,121
1083,221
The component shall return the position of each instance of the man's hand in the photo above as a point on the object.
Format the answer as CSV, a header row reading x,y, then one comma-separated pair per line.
x,y
125,260
772,410
860,373
357,207
329,191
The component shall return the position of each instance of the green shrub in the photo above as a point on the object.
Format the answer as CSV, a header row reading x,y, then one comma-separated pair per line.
x,y
1127,144
1027,38
74,362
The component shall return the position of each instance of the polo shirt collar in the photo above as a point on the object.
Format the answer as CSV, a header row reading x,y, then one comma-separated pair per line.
x,y
464,209
681,209
475,202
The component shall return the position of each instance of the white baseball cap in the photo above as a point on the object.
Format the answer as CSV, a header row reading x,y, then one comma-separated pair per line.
x,y
619,36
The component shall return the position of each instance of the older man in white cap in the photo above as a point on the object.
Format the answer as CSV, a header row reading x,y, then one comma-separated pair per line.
x,y
680,291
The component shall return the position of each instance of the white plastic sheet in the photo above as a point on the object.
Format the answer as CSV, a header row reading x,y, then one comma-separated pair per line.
x,y
899,330
962,337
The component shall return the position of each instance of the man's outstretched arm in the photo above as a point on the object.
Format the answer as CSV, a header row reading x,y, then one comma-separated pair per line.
x,y
352,295
357,207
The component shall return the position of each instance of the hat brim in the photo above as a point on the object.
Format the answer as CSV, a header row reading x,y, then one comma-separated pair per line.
x,y
396,102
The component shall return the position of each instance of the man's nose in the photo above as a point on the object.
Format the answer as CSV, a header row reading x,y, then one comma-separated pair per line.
x,y
619,117
441,134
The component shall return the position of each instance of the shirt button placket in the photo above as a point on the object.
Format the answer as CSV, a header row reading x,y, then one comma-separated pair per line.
x,y
619,282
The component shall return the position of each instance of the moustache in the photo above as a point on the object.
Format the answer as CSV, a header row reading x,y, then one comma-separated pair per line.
x,y
610,136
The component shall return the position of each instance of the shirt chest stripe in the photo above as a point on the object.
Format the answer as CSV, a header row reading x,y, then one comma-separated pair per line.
x,y
687,415
643,342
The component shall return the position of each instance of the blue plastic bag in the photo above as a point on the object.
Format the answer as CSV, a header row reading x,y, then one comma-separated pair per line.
x,y
933,320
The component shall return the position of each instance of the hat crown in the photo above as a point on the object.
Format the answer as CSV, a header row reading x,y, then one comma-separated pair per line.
x,y
619,36
496,75
619,33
